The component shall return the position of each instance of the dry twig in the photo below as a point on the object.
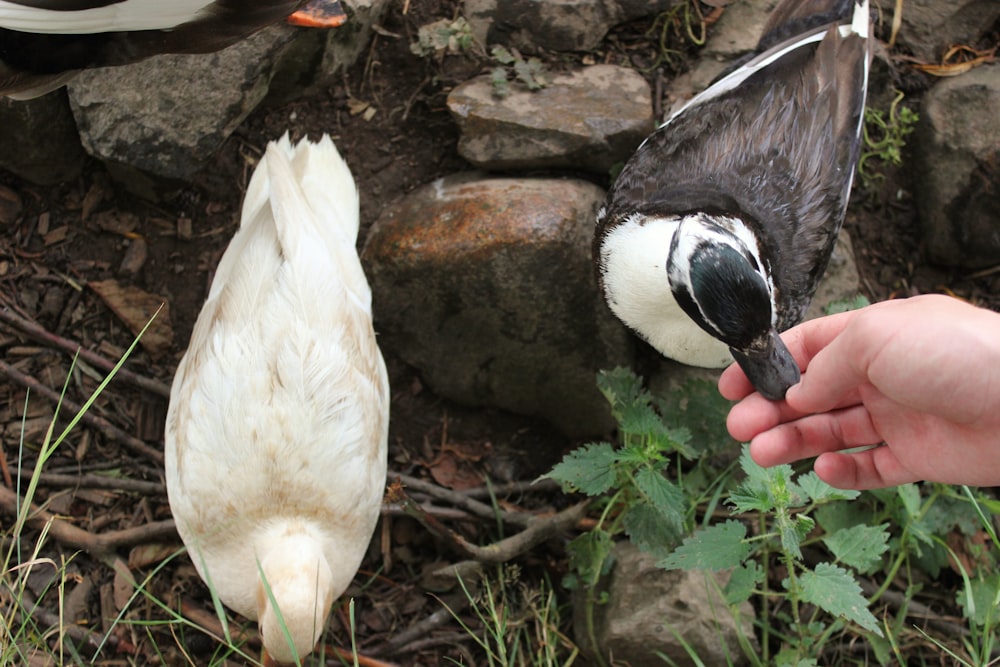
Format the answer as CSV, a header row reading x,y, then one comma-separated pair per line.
x,y
537,531
103,426
99,545
85,481
40,334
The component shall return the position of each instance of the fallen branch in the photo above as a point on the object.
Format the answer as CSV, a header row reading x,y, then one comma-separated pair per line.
x,y
421,629
100,424
465,502
97,545
42,335
98,482
537,531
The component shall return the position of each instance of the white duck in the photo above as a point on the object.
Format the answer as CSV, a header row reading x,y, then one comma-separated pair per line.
x,y
277,428
44,42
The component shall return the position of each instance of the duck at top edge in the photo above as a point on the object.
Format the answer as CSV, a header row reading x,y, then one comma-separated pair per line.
x,y
43,43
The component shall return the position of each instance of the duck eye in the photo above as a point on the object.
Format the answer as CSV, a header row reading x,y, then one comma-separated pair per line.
x,y
753,260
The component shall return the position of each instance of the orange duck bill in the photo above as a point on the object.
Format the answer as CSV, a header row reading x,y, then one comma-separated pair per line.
x,y
319,14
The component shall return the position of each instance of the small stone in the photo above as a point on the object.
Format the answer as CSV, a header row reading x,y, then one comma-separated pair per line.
x,y
646,605
184,228
167,115
589,119
135,257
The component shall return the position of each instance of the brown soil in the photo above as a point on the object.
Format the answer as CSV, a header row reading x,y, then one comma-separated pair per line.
x,y
75,234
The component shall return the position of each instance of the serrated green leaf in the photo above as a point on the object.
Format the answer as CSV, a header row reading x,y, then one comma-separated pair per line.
x,y
697,407
910,495
588,555
790,530
820,492
621,386
715,548
663,495
502,55
742,582
633,456
757,477
750,500
834,590
589,469
860,547
639,419
985,598
950,512
837,516
650,531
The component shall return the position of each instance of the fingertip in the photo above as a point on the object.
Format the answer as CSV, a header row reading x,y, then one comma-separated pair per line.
x,y
835,469
752,416
733,384
762,453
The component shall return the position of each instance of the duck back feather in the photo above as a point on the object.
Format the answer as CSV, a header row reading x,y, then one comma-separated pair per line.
x,y
278,420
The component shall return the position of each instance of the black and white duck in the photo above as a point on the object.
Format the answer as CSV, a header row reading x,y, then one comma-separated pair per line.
x,y
44,42
715,234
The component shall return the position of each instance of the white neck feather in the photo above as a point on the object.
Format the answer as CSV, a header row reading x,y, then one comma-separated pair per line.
x,y
634,266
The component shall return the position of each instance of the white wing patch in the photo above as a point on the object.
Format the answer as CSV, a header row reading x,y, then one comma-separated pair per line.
x,y
119,16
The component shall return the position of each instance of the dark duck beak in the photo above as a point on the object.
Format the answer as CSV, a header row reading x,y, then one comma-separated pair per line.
x,y
720,283
769,366
319,14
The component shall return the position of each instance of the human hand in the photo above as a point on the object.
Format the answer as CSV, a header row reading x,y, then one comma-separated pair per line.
x,y
921,375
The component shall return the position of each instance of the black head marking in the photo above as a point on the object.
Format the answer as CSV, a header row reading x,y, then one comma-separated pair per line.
x,y
725,296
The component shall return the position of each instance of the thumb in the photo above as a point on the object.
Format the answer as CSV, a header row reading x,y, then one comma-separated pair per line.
x,y
832,378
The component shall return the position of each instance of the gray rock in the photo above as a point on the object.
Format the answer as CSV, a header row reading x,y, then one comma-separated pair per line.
x,y
346,44
315,58
840,282
485,285
738,30
957,169
169,114
556,25
929,27
39,139
644,603
588,119
735,34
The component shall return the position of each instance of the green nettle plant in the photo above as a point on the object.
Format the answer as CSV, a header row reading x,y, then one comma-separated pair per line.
x,y
806,554
783,505
513,67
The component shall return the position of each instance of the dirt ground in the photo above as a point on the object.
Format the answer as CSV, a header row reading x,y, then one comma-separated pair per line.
x,y
60,244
